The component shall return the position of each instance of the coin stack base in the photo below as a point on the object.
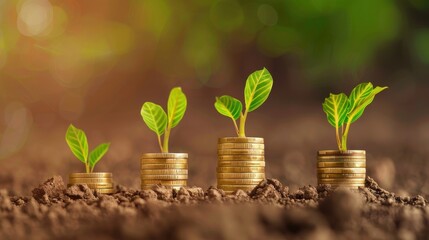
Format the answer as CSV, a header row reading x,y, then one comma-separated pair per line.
x,y
342,168
241,163
166,169
100,182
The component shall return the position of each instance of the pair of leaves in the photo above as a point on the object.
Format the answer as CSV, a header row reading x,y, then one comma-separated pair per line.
x,y
78,143
257,89
341,109
155,117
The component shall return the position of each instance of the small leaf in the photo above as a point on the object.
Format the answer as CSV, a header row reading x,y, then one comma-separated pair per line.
x,y
336,107
97,154
154,117
229,106
76,139
356,112
359,93
258,88
177,103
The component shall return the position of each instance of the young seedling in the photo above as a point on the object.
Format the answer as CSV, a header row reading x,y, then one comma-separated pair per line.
x,y
158,121
342,110
76,139
256,92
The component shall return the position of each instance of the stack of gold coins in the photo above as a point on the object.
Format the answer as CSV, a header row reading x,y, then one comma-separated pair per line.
x,y
241,163
167,169
101,182
342,168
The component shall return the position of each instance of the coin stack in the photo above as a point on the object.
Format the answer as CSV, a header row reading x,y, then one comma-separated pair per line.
x,y
241,163
342,168
101,182
167,169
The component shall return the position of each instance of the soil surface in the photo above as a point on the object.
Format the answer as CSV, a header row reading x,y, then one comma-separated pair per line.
x,y
270,211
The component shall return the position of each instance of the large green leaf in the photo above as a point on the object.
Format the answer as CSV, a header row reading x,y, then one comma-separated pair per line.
x,y
229,106
154,117
258,88
76,139
98,153
359,107
336,107
176,106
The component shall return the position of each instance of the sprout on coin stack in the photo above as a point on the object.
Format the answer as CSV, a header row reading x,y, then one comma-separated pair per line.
x,y
241,161
343,167
78,143
168,169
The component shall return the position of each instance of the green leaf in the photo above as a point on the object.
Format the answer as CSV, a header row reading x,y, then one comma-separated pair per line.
x,y
365,99
154,117
98,153
176,106
336,107
76,139
229,106
258,88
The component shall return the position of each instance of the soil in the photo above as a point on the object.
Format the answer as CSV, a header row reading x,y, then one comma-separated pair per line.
x,y
270,211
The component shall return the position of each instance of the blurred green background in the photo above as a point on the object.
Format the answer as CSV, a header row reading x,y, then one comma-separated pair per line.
x,y
93,63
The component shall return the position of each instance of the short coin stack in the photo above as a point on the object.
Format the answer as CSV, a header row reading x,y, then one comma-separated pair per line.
x,y
241,163
342,168
167,169
101,182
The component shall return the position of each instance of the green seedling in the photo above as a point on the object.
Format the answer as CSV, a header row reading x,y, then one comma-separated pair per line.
x,y
76,139
158,121
343,111
256,92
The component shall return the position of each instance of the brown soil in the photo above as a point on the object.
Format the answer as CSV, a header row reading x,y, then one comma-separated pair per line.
x,y
270,211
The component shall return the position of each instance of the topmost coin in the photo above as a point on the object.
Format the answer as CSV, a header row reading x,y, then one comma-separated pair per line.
x,y
165,155
241,146
241,140
342,153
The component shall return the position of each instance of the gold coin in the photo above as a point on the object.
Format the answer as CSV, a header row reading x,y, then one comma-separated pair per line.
x,y
164,161
239,181
341,170
164,155
341,153
164,182
240,146
165,177
340,180
240,152
105,191
164,172
341,164
236,187
95,185
240,158
241,163
240,175
164,166
341,175
91,175
241,169
341,159
241,140
90,180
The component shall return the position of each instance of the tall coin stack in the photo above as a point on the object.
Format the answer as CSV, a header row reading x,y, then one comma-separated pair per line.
x,y
342,168
168,169
241,163
101,182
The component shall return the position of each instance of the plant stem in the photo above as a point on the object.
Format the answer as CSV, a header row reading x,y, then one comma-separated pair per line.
x,y
236,127
166,139
242,131
87,168
337,133
344,139
159,142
